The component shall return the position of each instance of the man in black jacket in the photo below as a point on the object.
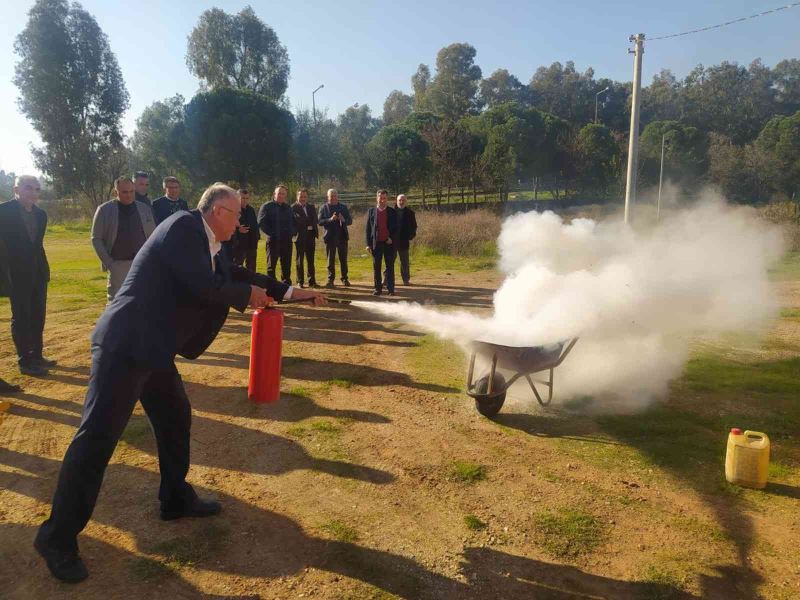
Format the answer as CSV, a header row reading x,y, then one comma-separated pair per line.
x,y
305,221
380,231
170,202
22,229
245,246
141,185
174,301
276,219
406,231
335,219
5,290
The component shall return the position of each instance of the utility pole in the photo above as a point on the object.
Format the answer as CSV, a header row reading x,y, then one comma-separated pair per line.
x,y
633,142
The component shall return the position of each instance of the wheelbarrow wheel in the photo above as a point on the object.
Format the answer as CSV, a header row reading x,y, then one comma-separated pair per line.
x,y
489,404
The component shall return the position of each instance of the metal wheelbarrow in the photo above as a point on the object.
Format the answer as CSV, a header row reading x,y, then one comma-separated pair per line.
x,y
490,390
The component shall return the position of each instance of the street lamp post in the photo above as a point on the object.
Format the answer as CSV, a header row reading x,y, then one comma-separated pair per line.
x,y
660,176
596,96
314,104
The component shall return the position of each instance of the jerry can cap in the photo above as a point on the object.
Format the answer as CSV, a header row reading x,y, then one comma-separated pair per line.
x,y
736,431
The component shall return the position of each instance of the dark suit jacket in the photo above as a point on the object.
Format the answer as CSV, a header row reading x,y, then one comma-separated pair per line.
x,y
277,221
5,277
406,228
171,301
248,240
372,225
27,262
335,232
163,206
303,222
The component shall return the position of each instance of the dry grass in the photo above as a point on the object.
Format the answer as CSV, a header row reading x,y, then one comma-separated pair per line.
x,y
786,214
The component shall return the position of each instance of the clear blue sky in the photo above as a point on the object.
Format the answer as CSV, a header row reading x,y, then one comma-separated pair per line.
x,y
363,50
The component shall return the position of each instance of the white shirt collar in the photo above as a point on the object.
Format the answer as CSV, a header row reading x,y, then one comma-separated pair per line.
x,y
213,245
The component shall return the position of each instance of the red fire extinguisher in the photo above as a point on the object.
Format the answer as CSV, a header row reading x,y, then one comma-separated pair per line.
x,y
265,356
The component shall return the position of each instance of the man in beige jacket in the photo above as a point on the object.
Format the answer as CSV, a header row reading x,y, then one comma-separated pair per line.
x,y
119,229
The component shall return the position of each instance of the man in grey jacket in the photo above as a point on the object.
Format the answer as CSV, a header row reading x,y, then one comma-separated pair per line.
x,y
120,228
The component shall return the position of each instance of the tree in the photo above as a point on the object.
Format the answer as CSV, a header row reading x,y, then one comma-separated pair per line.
x,y
420,82
397,107
238,51
510,135
500,87
662,100
355,129
564,92
316,153
685,153
71,89
453,92
235,134
779,142
786,78
597,152
156,143
730,99
398,157
738,170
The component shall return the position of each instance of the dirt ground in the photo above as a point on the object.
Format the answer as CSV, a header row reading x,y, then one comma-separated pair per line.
x,y
357,483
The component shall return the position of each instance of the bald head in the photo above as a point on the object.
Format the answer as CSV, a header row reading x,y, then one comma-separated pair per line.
x,y
26,190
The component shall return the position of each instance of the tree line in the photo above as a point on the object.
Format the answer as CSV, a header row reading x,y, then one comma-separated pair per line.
x,y
731,125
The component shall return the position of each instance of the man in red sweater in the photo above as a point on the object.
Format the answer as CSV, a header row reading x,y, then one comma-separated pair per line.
x,y
381,228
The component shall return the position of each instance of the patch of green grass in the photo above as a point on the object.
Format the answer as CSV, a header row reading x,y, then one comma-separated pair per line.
x,y
699,529
341,383
467,472
147,569
188,550
340,531
473,523
790,313
438,362
660,583
299,391
296,431
137,428
568,533
778,470
325,427
709,373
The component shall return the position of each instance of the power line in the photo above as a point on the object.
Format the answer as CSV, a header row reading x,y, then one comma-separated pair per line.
x,y
739,20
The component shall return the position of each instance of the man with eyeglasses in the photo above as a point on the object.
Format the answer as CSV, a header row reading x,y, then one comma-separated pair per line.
x,y
245,244
174,301
22,229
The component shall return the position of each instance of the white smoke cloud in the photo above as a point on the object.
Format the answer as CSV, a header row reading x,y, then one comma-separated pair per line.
x,y
636,298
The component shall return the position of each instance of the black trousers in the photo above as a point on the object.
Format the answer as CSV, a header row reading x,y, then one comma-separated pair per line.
x,y
305,254
383,253
28,311
331,249
405,266
280,249
246,257
115,383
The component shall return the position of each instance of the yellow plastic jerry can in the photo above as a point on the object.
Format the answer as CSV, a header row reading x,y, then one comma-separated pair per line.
x,y
747,459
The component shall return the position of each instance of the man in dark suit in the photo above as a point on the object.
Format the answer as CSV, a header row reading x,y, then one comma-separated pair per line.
x,y
5,290
141,185
335,219
174,301
305,220
380,231
406,231
276,219
245,245
170,202
22,229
